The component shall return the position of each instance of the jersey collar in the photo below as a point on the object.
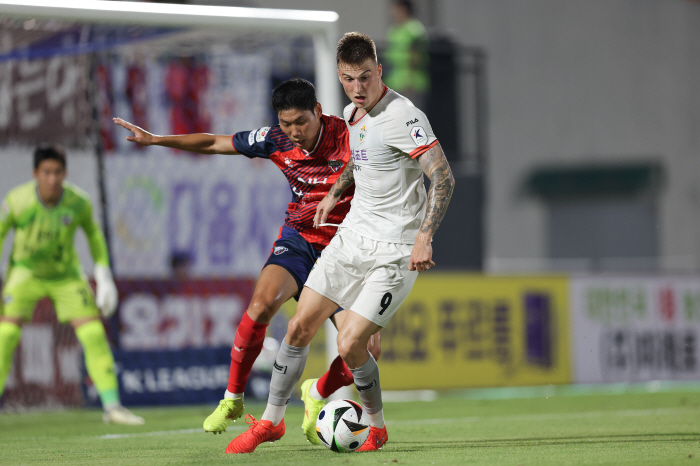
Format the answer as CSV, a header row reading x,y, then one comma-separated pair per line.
x,y
41,201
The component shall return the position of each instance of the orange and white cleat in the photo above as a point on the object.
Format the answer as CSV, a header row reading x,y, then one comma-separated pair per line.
x,y
376,440
257,433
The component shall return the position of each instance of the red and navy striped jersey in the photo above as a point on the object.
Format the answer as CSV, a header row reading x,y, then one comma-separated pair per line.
x,y
310,174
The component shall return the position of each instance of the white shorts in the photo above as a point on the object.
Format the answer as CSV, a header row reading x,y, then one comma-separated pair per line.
x,y
368,277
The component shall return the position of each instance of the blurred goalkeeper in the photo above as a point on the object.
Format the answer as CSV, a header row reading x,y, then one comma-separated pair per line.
x,y
45,214
312,150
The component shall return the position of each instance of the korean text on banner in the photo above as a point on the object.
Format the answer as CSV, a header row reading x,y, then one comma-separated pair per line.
x,y
634,329
463,330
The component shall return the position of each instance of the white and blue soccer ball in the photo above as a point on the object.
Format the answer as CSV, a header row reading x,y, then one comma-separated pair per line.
x,y
342,426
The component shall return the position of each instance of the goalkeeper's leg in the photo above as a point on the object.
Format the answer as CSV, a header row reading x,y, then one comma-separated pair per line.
x,y
10,333
100,367
19,297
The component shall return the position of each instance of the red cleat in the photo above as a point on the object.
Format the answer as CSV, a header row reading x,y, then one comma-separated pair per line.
x,y
257,433
376,440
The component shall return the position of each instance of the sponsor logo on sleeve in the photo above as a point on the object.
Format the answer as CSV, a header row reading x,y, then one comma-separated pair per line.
x,y
251,138
419,135
280,250
412,122
262,132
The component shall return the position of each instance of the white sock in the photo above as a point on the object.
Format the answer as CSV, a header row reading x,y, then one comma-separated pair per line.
x,y
376,419
273,413
313,391
232,396
111,406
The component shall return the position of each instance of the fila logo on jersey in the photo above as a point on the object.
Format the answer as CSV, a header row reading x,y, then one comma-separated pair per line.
x,y
280,250
412,122
419,136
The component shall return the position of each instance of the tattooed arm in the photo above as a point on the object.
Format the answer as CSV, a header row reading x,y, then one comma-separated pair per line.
x,y
435,166
346,179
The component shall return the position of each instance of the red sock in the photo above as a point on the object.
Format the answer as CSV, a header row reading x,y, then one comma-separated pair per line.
x,y
338,375
246,347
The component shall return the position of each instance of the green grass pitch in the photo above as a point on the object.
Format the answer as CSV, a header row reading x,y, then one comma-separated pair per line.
x,y
595,429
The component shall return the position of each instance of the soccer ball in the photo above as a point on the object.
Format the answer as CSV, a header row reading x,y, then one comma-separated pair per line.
x,y
342,426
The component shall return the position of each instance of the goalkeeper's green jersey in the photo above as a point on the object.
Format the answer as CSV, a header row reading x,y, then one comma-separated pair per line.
x,y
43,241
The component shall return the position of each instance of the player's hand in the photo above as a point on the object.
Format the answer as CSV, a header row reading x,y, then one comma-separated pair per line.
x,y
323,209
422,254
141,136
107,295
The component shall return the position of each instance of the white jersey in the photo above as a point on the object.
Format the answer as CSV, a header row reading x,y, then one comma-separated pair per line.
x,y
389,201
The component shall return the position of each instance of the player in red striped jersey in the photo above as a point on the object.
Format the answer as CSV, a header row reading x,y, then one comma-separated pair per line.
x,y
312,150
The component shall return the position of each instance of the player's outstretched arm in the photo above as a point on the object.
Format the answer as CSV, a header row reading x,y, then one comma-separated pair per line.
x,y
201,143
346,179
435,166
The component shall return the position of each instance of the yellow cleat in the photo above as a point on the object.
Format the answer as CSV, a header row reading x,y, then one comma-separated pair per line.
x,y
228,409
311,409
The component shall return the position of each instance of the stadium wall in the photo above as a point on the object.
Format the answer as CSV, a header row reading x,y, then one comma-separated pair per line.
x,y
578,82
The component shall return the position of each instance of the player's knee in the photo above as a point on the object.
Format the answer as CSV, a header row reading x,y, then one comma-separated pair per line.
x,y
299,332
261,310
351,349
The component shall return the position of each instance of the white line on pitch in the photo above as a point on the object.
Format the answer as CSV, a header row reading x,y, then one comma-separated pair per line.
x,y
160,432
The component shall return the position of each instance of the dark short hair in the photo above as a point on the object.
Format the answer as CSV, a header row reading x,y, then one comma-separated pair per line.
x,y
406,4
355,48
296,93
48,151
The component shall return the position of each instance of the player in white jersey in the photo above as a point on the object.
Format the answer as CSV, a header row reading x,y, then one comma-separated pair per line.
x,y
370,266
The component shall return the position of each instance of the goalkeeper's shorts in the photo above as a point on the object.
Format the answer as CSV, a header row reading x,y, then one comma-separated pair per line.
x,y
72,297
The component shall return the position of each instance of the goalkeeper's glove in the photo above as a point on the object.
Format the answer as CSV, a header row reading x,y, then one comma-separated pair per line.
x,y
107,295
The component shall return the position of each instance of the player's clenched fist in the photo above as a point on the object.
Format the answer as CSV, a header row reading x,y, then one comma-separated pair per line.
x,y
141,136
421,254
